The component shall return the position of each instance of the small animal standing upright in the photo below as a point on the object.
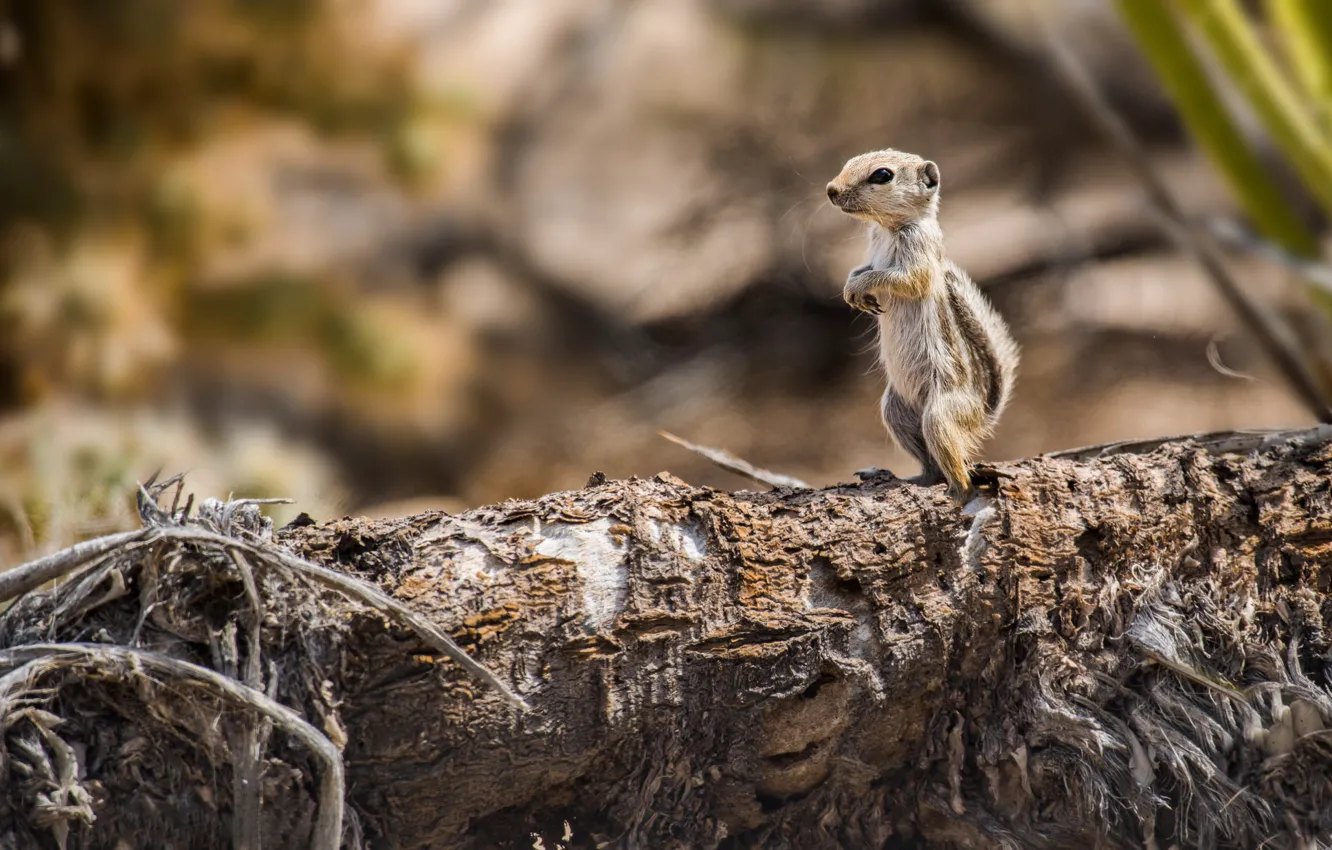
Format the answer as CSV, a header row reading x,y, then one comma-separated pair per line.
x,y
948,356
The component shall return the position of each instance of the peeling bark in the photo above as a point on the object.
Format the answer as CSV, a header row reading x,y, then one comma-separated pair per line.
x,y
1119,651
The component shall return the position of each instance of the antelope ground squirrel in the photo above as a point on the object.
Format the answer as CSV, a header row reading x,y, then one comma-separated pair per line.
x,y
948,356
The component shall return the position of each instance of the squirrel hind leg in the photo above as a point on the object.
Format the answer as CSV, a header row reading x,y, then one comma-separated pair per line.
x,y
944,439
953,424
905,426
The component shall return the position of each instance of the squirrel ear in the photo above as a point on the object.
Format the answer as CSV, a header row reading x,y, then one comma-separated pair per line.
x,y
929,172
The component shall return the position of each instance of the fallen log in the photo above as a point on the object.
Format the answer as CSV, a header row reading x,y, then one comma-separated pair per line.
x,y
1113,648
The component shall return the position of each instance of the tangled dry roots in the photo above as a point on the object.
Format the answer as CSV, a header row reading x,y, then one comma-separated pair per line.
x,y
200,601
1214,729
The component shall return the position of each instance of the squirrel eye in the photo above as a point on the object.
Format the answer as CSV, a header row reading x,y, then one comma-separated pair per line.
x,y
882,175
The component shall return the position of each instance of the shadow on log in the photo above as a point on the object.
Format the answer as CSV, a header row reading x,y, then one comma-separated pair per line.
x,y
1113,649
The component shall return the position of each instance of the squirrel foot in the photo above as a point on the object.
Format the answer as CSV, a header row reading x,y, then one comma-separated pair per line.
x,y
963,491
925,479
960,495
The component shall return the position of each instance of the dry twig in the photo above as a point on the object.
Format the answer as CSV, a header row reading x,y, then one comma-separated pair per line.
x,y
34,574
731,463
249,740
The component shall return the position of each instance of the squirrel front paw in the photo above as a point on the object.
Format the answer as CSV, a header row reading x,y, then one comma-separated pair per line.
x,y
858,293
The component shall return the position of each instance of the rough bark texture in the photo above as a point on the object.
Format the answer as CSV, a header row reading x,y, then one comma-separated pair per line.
x,y
1125,651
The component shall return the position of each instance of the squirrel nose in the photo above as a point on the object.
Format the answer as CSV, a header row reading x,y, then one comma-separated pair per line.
x,y
833,192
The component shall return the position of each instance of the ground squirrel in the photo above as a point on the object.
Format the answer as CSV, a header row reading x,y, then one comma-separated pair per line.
x,y
948,356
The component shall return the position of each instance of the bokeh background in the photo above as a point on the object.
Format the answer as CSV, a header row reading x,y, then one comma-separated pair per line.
x,y
382,255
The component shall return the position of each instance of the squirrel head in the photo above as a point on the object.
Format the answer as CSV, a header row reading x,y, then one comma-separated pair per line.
x,y
887,187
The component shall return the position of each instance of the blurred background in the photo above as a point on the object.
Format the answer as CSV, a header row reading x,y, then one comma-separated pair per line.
x,y
382,255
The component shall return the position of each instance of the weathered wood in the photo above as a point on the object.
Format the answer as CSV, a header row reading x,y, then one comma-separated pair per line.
x,y
1126,651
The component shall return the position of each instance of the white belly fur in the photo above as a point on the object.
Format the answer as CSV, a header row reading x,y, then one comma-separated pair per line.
x,y
905,330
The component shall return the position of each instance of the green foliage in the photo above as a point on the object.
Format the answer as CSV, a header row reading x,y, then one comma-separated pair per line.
x,y
1305,29
1286,116
1293,116
1162,39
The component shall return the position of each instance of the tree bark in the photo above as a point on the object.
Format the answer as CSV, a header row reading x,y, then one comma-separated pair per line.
x,y
1119,651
